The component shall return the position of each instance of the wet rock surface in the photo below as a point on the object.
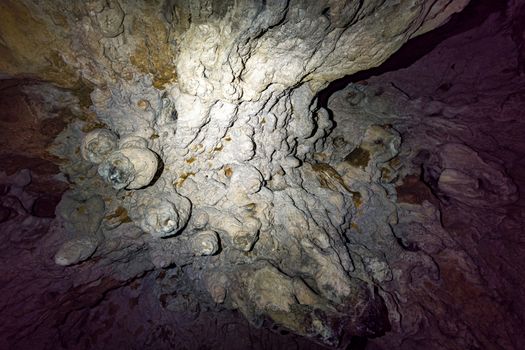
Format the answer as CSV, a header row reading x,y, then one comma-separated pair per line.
x,y
222,194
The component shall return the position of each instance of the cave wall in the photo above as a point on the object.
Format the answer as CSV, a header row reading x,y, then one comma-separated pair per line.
x,y
220,194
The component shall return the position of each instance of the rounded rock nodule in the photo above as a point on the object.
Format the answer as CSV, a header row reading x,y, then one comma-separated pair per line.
x,y
129,168
205,243
98,145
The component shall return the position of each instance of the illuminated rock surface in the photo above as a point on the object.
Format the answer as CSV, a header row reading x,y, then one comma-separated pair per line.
x,y
239,175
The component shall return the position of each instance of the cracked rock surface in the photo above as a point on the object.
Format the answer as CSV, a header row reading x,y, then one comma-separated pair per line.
x,y
218,192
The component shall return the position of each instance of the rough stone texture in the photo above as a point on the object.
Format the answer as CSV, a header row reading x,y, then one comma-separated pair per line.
x,y
457,179
240,200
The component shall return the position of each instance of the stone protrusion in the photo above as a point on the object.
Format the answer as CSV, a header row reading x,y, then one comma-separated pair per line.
x,y
129,168
98,145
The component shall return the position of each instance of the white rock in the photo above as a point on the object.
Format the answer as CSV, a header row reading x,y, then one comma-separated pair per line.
x,y
98,144
75,251
205,243
130,168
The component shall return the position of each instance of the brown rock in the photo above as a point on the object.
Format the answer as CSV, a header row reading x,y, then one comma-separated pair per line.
x,y
30,47
414,191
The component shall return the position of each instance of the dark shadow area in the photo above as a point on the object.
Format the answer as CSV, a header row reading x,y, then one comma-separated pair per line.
x,y
24,158
357,343
476,12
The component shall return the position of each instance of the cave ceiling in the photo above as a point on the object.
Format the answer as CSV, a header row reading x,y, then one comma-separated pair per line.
x,y
180,174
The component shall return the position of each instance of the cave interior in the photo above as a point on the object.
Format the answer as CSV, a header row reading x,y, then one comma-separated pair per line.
x,y
227,174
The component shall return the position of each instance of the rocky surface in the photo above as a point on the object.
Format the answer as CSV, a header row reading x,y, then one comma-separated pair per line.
x,y
220,194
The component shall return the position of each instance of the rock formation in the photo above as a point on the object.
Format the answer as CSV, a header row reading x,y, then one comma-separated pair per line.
x,y
211,169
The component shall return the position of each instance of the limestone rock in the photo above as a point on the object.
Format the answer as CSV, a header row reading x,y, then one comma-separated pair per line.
x,y
129,167
241,185
75,251
161,214
205,243
98,145
467,178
